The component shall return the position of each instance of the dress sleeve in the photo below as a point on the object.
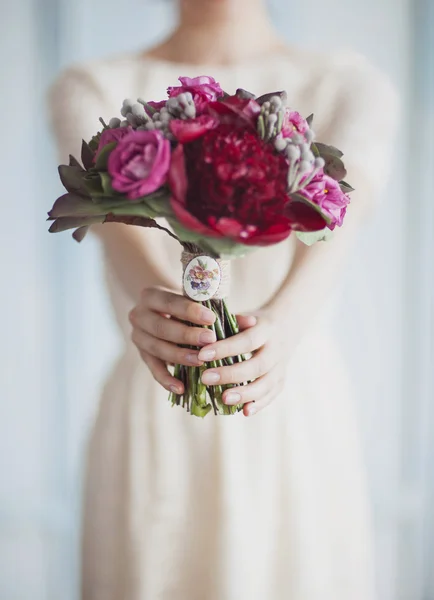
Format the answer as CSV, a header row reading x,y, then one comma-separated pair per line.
x,y
365,120
76,102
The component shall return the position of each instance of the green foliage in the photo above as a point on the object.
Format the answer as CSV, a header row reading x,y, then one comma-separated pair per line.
x,y
312,237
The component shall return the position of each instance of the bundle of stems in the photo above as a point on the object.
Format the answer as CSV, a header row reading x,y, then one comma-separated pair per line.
x,y
198,398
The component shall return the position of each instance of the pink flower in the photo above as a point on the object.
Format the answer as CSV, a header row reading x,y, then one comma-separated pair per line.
x,y
111,135
203,89
140,163
189,130
293,123
326,193
157,105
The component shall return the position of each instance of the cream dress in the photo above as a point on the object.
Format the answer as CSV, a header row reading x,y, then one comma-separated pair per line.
x,y
268,508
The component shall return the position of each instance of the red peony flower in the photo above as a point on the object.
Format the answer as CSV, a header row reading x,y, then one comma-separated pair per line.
x,y
236,110
230,183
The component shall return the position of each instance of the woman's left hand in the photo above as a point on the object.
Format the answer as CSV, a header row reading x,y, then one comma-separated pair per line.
x,y
263,336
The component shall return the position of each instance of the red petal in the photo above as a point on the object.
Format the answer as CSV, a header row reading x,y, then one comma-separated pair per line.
x,y
304,217
188,131
273,235
178,185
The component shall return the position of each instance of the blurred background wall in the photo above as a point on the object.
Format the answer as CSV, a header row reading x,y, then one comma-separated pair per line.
x,y
57,339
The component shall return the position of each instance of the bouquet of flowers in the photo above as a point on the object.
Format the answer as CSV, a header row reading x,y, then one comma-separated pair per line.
x,y
223,174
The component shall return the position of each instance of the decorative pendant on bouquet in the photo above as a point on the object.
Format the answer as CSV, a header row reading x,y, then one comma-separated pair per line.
x,y
204,277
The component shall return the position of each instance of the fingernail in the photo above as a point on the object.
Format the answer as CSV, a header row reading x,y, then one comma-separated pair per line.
x,y
174,389
192,358
232,398
207,337
252,411
210,377
206,355
207,316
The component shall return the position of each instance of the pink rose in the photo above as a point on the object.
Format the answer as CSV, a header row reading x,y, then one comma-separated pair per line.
x,y
111,135
191,129
203,89
293,123
140,163
326,193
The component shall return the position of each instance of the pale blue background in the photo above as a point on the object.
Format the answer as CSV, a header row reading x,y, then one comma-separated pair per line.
x,y
56,337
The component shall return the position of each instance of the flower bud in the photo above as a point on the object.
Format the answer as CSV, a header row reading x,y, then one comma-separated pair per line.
x,y
125,124
304,166
276,102
319,163
114,123
293,152
190,111
280,144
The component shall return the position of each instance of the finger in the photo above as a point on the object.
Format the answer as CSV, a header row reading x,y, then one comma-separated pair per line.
x,y
177,306
249,393
161,374
171,330
170,353
247,370
246,321
252,408
248,341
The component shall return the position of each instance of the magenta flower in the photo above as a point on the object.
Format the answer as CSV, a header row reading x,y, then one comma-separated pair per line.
x,y
293,123
111,135
140,163
326,193
203,89
157,105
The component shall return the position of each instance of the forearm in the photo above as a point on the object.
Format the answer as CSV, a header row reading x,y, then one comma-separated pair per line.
x,y
132,258
313,276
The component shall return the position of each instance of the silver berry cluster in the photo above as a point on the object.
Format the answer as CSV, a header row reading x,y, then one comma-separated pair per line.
x,y
270,120
182,106
303,164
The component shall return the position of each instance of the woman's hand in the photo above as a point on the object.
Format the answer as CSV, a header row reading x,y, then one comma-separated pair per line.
x,y
158,332
263,336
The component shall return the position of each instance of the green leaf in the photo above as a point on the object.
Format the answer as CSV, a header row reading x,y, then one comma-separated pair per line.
x,y
74,205
215,247
73,162
72,179
244,94
159,204
71,205
309,120
314,150
64,223
87,155
334,167
324,149
346,188
267,97
80,233
103,156
311,237
106,184
93,183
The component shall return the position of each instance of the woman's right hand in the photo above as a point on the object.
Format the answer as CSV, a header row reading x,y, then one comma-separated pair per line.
x,y
158,333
